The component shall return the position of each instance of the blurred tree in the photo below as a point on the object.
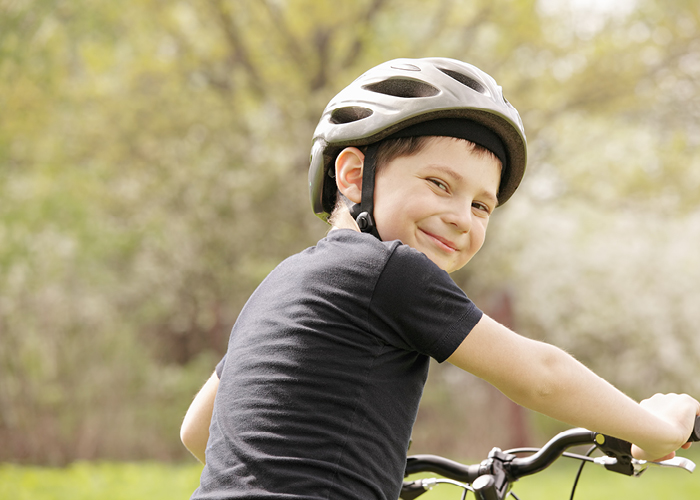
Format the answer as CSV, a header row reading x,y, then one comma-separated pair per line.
x,y
606,265
153,162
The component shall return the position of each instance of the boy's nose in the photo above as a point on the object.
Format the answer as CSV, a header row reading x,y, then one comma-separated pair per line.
x,y
460,218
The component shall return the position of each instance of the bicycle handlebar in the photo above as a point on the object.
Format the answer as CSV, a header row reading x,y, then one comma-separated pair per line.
x,y
521,467
445,467
506,468
518,467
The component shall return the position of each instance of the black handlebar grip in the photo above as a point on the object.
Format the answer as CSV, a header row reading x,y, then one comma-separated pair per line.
x,y
695,435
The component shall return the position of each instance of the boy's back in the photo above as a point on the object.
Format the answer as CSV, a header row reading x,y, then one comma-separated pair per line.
x,y
325,371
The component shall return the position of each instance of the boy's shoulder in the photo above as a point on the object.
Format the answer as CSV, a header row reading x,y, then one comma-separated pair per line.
x,y
362,249
359,244
349,250
350,237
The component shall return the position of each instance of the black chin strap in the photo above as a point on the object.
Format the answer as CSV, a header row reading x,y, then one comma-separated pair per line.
x,y
363,212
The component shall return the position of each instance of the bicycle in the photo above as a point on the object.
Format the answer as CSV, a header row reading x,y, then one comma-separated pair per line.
x,y
493,478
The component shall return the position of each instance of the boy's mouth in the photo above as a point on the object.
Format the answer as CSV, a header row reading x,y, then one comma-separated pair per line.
x,y
441,242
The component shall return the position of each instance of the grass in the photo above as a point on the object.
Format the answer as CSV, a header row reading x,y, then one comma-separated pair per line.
x,y
104,481
156,481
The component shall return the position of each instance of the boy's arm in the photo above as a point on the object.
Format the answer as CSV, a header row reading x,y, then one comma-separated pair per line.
x,y
544,378
194,432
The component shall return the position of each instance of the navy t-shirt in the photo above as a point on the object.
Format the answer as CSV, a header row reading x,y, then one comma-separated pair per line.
x,y
325,369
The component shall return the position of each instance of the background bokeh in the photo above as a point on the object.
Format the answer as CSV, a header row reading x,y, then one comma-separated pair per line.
x,y
153,161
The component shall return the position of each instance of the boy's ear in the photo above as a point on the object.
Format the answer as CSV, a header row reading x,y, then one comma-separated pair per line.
x,y
348,173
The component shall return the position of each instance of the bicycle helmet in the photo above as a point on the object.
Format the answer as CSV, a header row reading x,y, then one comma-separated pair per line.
x,y
399,98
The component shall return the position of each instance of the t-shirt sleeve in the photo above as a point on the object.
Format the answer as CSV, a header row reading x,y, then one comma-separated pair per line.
x,y
220,366
417,306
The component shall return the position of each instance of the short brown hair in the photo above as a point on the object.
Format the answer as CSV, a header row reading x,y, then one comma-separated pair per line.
x,y
391,149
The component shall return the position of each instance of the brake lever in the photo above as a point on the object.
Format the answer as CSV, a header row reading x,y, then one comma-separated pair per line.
x,y
640,466
619,455
676,462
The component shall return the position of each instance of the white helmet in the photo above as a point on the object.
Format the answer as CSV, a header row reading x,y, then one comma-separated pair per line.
x,y
402,93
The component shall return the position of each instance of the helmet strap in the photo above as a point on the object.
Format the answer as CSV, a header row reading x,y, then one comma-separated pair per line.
x,y
363,212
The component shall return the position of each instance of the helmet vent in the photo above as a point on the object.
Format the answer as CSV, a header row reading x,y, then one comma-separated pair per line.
x,y
466,80
403,87
349,114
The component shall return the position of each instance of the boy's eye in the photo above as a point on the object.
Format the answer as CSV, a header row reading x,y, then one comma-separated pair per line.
x,y
482,208
439,184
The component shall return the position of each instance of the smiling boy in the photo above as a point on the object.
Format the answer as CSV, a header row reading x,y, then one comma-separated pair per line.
x,y
325,368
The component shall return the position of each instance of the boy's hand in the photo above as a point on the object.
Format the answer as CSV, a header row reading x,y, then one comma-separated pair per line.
x,y
678,411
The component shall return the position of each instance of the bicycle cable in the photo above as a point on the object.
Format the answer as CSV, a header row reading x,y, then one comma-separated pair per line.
x,y
582,458
580,470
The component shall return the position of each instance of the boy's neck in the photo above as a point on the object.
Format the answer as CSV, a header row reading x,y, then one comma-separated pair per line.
x,y
343,220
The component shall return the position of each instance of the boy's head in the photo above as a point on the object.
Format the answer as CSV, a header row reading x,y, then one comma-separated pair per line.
x,y
401,109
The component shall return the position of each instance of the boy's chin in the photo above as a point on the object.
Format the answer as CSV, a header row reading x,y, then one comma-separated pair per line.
x,y
448,267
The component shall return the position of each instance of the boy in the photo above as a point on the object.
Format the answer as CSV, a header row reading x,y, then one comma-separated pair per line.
x,y
326,364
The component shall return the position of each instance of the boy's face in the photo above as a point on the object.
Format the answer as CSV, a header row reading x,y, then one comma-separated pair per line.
x,y
438,201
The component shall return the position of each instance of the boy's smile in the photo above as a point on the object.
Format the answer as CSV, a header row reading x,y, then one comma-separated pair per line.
x,y
438,201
